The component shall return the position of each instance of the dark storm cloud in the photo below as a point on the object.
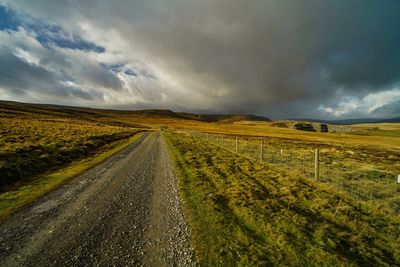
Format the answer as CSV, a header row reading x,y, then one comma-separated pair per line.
x,y
100,77
279,57
19,75
390,109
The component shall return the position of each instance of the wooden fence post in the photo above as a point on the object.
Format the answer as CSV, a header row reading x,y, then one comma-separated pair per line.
x,y
222,141
261,151
317,164
236,148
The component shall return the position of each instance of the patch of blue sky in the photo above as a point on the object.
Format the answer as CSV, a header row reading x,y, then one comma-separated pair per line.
x,y
113,67
130,72
119,68
8,19
47,34
71,42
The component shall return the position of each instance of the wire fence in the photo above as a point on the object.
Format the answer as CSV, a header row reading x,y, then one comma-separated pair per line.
x,y
365,184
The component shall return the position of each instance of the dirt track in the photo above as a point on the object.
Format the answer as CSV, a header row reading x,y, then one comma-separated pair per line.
x,y
125,211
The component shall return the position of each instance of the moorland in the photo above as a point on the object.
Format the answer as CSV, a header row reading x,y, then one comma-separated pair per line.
x,y
240,211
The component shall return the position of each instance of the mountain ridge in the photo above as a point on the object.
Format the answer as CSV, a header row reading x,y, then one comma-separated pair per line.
x,y
13,106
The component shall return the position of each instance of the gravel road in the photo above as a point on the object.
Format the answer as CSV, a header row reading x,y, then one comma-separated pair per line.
x,y
123,212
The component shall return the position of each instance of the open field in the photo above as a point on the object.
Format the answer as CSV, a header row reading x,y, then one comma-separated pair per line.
x,y
361,180
373,151
156,119
245,213
377,129
33,146
37,137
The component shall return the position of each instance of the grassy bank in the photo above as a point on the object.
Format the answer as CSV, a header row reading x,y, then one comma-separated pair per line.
x,y
249,214
37,186
32,146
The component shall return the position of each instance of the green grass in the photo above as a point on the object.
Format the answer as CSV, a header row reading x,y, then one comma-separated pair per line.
x,y
348,155
28,191
363,174
243,213
376,132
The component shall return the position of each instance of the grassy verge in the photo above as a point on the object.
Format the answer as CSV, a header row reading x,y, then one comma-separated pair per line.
x,y
28,191
242,213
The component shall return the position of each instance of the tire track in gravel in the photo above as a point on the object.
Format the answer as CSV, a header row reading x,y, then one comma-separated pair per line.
x,y
125,211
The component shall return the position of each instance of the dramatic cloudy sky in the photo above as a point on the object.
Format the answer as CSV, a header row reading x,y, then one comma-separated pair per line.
x,y
279,58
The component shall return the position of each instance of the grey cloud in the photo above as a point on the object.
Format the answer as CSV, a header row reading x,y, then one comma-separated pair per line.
x,y
100,77
19,77
282,58
18,74
388,110
74,75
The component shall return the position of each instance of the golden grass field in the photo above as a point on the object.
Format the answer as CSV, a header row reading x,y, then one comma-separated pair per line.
x,y
374,145
378,148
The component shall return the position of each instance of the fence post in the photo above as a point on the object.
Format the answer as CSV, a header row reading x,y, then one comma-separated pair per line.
x,y
261,151
236,148
222,141
207,137
316,164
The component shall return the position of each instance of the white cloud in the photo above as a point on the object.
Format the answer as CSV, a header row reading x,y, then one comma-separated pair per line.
x,y
361,106
377,100
25,55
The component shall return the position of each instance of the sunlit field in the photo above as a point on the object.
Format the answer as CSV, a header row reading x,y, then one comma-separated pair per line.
x,y
243,212
71,132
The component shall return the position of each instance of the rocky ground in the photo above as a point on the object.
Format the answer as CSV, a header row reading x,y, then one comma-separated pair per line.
x,y
125,211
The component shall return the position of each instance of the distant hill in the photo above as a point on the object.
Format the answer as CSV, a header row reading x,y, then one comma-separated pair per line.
x,y
10,108
350,121
222,117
